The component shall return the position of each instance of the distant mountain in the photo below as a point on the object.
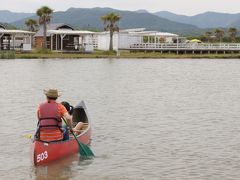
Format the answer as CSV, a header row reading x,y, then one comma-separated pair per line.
x,y
9,17
204,20
86,18
142,11
236,24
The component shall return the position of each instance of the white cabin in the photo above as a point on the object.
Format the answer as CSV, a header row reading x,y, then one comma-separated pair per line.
x,y
125,38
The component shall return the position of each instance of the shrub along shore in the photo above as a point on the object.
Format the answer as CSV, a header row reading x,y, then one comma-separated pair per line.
x,y
107,54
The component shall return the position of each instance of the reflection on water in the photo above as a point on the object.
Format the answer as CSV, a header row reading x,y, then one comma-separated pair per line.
x,y
61,169
83,163
151,119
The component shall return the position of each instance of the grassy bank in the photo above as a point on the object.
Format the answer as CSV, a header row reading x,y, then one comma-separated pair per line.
x,y
7,55
123,54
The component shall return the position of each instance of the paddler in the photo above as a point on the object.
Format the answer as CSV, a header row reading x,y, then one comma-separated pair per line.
x,y
50,114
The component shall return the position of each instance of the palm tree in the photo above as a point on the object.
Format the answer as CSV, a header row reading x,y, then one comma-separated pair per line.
x,y
32,26
110,21
232,34
44,14
208,35
219,33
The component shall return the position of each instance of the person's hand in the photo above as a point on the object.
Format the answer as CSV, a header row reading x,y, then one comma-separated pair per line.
x,y
70,128
74,130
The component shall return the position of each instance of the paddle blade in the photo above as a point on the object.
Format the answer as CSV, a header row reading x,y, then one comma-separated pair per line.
x,y
29,136
85,151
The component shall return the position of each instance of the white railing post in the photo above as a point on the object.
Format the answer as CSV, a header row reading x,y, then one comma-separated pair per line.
x,y
178,46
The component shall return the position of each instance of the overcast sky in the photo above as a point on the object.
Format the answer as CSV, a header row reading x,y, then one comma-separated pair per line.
x,y
186,7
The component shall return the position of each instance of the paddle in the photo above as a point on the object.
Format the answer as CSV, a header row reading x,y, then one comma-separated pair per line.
x,y
29,136
84,150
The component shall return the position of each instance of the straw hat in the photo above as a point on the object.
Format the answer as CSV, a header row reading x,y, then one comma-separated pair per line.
x,y
51,93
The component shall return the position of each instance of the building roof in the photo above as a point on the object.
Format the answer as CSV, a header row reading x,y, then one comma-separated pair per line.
x,y
7,31
154,33
133,30
143,32
165,34
138,32
54,26
70,32
128,31
2,26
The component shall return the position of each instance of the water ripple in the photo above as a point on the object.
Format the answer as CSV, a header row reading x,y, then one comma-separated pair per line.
x,y
152,119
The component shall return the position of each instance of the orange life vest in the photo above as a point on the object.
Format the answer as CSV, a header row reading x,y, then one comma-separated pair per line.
x,y
50,123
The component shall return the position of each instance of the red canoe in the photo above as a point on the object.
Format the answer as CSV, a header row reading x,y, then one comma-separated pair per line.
x,y
44,153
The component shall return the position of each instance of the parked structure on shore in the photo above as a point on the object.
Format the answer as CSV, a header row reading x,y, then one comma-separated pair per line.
x,y
15,39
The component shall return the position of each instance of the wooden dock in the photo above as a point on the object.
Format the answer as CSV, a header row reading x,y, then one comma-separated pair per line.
x,y
184,48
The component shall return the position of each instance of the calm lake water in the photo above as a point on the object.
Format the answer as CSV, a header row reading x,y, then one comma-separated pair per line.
x,y
152,119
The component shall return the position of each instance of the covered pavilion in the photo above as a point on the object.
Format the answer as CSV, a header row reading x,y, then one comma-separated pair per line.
x,y
15,39
71,40
62,37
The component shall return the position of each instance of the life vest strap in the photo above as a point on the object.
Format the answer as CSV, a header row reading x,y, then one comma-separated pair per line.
x,y
54,118
40,126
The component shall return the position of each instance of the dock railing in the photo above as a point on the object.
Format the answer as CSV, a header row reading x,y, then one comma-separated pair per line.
x,y
185,46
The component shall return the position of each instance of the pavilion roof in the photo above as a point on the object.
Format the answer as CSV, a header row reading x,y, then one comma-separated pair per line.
x,y
15,31
53,26
154,33
2,26
69,32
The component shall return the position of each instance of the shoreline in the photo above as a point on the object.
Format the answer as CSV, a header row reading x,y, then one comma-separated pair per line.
x,y
123,55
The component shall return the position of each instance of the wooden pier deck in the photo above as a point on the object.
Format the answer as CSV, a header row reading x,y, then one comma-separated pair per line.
x,y
184,48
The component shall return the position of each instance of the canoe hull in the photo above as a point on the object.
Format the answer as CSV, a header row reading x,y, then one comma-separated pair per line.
x,y
44,153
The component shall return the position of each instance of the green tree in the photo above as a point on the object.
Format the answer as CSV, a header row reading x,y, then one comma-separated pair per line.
x,y
232,34
44,14
31,24
110,21
208,35
219,33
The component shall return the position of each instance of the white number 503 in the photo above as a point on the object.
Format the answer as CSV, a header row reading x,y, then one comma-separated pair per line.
x,y
42,156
